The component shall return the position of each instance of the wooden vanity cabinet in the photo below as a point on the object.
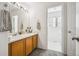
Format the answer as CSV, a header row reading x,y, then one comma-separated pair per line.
x,y
23,47
28,45
34,41
17,48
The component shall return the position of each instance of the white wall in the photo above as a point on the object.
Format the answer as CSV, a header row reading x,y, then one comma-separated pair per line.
x,y
40,14
3,43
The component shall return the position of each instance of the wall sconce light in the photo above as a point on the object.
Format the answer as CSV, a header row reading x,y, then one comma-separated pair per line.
x,y
18,5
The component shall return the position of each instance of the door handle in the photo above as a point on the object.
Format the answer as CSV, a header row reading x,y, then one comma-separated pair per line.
x,y
75,38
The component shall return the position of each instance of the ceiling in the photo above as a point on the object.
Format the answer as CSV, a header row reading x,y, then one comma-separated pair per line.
x,y
45,4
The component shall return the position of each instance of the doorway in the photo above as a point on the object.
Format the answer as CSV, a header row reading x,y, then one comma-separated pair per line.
x,y
54,25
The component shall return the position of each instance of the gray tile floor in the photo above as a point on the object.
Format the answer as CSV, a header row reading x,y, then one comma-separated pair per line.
x,y
42,52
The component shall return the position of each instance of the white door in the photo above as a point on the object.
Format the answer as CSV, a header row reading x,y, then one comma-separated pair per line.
x,y
77,28
71,28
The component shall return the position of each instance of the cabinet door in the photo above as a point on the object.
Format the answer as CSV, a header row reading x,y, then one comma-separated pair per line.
x,y
18,48
34,41
28,45
9,49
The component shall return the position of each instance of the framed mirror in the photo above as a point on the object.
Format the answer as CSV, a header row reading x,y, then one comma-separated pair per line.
x,y
19,19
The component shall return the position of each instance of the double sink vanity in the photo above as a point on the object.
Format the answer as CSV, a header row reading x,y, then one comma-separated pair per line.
x,y
22,38
22,45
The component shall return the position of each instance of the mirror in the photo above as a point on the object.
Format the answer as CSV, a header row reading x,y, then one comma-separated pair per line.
x,y
19,19
14,24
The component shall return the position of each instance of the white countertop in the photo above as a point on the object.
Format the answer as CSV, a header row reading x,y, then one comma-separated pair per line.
x,y
19,37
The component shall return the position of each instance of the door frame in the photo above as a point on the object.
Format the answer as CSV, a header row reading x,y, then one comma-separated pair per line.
x,y
71,28
64,26
65,14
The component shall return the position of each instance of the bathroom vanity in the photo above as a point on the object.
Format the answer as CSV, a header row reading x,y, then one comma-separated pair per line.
x,y
21,42
22,45
18,38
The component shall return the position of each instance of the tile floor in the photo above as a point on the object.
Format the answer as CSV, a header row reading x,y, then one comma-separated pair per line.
x,y
42,52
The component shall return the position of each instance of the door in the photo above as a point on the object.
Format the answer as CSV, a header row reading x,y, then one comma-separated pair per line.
x,y
71,28
77,28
